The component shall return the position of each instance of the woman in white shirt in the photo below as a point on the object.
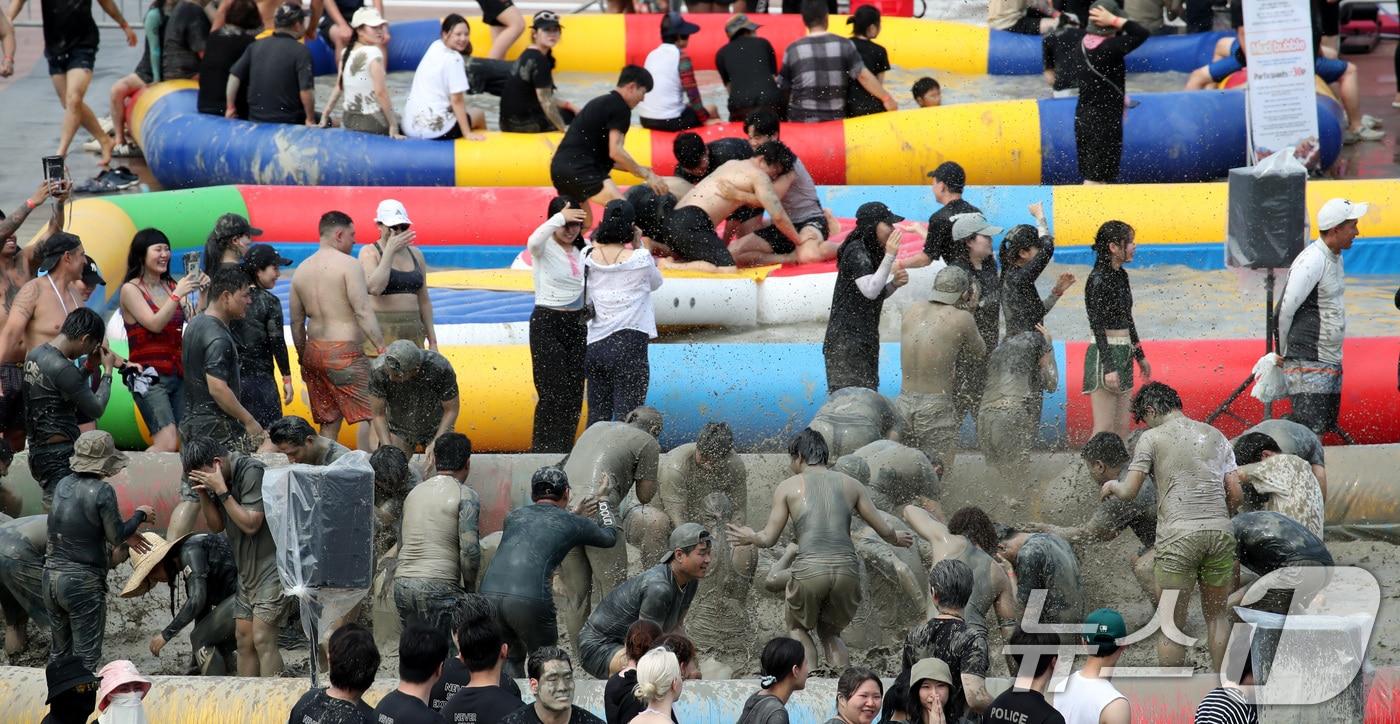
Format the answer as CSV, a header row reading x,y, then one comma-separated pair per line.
x,y
558,327
437,103
619,282
362,85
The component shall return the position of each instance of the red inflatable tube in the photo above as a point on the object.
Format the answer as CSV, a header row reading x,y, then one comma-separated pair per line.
x,y
1205,372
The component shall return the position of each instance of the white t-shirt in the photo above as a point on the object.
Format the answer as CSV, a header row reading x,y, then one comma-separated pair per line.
x,y
621,294
357,85
666,99
1083,700
428,112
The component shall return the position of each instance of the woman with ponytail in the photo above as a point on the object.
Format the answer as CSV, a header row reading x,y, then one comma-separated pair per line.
x,y
865,27
1025,252
784,666
362,84
658,686
1108,300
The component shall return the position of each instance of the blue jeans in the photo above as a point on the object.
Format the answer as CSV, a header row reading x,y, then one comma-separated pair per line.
x,y
163,403
619,372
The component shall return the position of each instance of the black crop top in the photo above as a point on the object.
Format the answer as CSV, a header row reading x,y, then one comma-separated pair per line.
x,y
1108,299
403,282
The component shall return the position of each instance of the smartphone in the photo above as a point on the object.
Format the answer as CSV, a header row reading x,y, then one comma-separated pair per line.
x,y
191,262
54,169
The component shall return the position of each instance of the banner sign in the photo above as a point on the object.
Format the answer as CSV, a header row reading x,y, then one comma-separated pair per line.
x,y
1282,97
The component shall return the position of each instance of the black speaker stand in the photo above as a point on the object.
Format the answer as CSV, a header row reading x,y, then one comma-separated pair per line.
x,y
1270,345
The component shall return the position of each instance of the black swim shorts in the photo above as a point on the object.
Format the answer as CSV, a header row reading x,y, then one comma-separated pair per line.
x,y
780,244
691,236
491,11
575,184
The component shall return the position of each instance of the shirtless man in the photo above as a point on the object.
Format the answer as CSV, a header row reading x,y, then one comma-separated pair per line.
x,y
690,473
1106,457
1197,487
691,227
970,537
897,476
935,339
608,459
329,288
814,225
853,417
34,317
825,588
535,538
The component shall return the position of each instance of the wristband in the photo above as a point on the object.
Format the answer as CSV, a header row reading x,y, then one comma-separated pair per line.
x,y
606,515
174,297
30,203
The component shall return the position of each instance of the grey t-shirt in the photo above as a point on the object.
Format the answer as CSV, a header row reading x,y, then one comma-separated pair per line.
x,y
275,70
651,595
763,708
1189,461
208,349
1046,561
415,406
629,454
1292,438
253,553
801,202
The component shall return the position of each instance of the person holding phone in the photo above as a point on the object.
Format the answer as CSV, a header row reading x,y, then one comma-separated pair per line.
x,y
1103,99
558,326
154,308
396,275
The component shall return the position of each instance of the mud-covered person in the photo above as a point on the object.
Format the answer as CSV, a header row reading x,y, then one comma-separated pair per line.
x,y
824,591
535,539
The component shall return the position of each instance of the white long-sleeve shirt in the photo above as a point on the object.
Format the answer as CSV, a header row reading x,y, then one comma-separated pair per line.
x,y
1312,320
621,294
558,270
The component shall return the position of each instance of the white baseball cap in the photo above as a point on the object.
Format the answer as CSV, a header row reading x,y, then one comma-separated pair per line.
x,y
367,16
391,213
1336,211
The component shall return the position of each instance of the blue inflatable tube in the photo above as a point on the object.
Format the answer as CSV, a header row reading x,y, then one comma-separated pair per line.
x,y
716,381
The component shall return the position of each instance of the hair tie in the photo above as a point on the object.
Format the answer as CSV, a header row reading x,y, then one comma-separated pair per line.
x,y
767,681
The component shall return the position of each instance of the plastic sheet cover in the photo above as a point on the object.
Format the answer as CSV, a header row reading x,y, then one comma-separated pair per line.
x,y
322,521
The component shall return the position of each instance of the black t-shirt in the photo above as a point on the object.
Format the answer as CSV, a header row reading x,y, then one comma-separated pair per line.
x,y
749,65
55,390
184,39
259,336
68,24
962,647
859,102
620,702
1021,707
399,708
455,678
209,349
1060,53
316,707
584,151
939,242
520,106
221,50
276,70
480,705
854,317
526,715
988,312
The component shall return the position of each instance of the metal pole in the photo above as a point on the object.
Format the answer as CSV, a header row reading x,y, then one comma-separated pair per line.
x,y
1270,329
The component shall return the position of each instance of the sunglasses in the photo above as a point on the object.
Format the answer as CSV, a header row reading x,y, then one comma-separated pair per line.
x,y
399,228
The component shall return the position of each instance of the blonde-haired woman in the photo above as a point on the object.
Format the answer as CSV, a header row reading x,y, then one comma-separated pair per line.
x,y
658,686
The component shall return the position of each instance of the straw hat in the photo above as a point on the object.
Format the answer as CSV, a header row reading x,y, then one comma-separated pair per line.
x,y
142,565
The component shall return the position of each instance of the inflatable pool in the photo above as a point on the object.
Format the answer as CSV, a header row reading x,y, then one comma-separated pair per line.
x,y
1176,224
1169,137
694,383
605,43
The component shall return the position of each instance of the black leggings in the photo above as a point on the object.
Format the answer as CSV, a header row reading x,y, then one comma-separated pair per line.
x,y
619,372
526,624
558,342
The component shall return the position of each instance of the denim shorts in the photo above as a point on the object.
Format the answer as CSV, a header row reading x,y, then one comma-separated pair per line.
x,y
161,404
80,58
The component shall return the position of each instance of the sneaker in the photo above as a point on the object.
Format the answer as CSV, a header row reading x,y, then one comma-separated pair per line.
x,y
101,184
126,150
106,123
1370,121
123,177
1370,134
92,146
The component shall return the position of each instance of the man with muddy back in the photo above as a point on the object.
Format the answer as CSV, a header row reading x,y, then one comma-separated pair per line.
x,y
331,319
691,226
937,341
608,459
825,588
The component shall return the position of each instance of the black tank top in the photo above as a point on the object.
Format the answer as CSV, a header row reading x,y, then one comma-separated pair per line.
x,y
403,282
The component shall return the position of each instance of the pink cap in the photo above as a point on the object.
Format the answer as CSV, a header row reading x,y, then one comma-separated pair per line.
x,y
116,674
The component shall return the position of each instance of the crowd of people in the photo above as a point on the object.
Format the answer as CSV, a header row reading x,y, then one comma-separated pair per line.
x,y
866,472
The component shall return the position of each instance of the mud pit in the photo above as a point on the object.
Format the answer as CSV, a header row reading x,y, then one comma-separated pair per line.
x,y
732,634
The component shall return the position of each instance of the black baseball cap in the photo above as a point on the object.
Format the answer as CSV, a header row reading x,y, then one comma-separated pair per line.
x,y
92,276
549,482
951,174
262,256
55,247
231,226
546,20
874,212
